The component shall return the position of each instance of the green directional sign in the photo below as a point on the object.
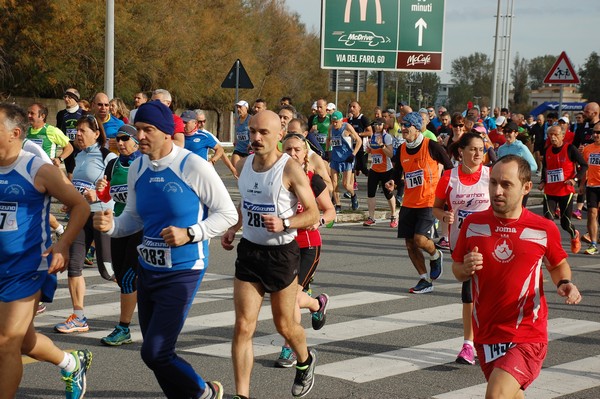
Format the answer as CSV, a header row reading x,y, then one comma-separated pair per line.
x,y
382,34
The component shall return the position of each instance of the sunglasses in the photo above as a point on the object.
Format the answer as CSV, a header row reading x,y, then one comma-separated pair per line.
x,y
124,137
296,135
406,125
459,125
201,121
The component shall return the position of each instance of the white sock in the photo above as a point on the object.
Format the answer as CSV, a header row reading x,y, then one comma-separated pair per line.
x,y
469,343
435,256
60,229
79,313
424,276
69,363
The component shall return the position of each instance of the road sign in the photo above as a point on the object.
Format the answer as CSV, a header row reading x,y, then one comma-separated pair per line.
x,y
346,80
382,34
237,77
562,72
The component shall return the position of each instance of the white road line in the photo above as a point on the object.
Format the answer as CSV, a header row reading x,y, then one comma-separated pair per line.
x,y
270,344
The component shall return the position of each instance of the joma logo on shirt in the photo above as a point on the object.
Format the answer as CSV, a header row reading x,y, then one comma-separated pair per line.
x,y
501,229
157,180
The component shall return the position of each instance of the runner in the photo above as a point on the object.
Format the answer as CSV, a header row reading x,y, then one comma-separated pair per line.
x,y
28,260
309,241
502,251
464,190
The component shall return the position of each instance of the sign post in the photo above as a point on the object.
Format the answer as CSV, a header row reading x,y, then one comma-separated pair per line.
x,y
561,73
384,35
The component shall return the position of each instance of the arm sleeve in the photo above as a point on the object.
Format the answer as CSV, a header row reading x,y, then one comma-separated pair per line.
x,y
438,153
529,158
209,187
317,184
397,170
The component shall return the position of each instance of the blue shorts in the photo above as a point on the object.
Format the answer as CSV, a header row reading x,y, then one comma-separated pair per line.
x,y
19,286
341,166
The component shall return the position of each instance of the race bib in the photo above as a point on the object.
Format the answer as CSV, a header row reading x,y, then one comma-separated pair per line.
x,y
242,136
594,159
155,252
71,133
336,142
555,176
495,351
414,179
321,139
119,193
8,216
462,215
254,213
376,159
82,185
38,141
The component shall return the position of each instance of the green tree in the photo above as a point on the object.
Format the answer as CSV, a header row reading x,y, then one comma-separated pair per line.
x,y
519,75
590,77
472,77
538,69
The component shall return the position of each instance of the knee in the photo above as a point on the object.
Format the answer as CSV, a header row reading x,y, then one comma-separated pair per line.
x,y
244,328
152,356
420,241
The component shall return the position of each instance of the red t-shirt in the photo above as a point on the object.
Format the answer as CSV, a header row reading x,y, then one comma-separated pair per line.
x,y
508,296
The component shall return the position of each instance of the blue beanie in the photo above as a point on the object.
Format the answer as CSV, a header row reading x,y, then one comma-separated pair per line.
x,y
414,118
157,114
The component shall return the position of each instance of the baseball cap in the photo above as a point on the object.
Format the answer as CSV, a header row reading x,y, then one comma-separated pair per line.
x,y
511,127
500,120
378,121
242,103
563,119
188,115
314,106
337,116
331,106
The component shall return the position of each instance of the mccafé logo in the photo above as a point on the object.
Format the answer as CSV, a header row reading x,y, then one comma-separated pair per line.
x,y
363,11
418,59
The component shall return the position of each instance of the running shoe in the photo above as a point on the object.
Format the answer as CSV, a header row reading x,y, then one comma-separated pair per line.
x,y
355,186
76,380
287,358
423,286
443,243
577,214
393,222
369,222
557,213
320,316
338,209
347,195
436,266
592,250
120,335
73,324
305,377
40,309
575,243
354,200
89,257
466,355
216,388
586,238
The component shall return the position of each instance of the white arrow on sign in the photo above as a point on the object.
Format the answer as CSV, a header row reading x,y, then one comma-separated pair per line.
x,y
421,24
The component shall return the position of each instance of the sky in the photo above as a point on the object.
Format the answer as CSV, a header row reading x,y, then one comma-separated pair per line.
x,y
540,27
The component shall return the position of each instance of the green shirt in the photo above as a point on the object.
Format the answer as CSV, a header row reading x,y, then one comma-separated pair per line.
x,y
49,138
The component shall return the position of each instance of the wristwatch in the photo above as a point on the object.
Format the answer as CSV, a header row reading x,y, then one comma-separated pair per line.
x,y
60,159
191,234
286,224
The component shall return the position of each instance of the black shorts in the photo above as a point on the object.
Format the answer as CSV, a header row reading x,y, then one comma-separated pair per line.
x,y
379,178
413,221
241,154
125,261
309,260
593,196
275,267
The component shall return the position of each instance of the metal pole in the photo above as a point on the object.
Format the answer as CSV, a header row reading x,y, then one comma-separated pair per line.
x,y
337,80
560,101
109,49
495,75
237,86
509,39
357,86
380,82
396,99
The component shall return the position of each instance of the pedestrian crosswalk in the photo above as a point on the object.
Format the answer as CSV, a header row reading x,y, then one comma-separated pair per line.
x,y
357,328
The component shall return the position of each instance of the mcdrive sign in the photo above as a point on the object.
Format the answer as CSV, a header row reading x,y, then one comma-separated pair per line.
x,y
382,34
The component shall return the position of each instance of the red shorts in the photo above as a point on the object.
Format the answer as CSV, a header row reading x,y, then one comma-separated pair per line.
x,y
523,362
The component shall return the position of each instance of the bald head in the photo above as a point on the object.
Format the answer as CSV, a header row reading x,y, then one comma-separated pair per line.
x,y
265,131
100,106
591,112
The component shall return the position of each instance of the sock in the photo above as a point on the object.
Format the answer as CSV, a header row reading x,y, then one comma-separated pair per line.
x,y
304,365
594,243
424,276
69,364
60,229
124,325
79,313
469,343
435,256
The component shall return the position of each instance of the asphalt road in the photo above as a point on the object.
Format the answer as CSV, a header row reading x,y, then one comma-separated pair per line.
x,y
379,340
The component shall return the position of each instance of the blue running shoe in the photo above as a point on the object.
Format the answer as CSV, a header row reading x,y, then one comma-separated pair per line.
x,y
423,286
120,335
76,380
436,266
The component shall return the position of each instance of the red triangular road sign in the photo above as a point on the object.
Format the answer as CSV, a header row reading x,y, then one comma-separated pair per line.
x,y
562,72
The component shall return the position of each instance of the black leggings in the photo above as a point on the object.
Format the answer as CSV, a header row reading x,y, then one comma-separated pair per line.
x,y
82,244
565,204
